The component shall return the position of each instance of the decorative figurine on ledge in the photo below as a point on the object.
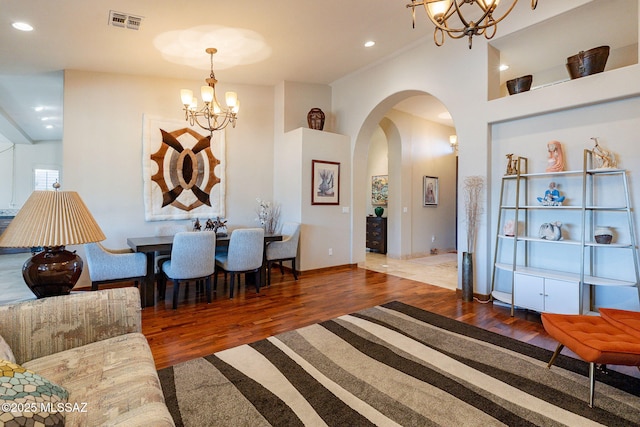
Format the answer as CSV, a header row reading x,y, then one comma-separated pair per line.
x,y
552,196
551,231
315,119
217,225
220,227
512,165
555,162
196,225
604,158
509,228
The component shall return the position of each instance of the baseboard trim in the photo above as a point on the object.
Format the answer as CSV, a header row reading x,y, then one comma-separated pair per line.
x,y
333,268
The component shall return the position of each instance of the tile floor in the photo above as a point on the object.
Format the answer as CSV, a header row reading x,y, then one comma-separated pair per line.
x,y
438,270
12,286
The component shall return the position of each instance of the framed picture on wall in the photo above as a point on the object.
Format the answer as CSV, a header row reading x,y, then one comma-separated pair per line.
x,y
430,191
379,190
325,182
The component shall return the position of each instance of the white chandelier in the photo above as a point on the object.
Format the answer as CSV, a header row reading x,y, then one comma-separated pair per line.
x,y
211,116
441,13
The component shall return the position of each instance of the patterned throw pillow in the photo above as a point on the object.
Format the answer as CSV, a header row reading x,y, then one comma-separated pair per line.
x,y
28,399
5,351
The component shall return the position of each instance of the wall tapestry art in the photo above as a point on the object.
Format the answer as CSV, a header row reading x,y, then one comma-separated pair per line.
x,y
183,171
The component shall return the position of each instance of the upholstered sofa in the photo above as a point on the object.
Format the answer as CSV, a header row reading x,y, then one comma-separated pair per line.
x,y
90,344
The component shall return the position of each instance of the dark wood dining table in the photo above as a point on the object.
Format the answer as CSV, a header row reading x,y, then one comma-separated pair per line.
x,y
152,244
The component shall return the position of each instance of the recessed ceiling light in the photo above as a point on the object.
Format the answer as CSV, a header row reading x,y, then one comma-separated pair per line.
x,y
49,126
39,108
504,67
22,26
369,43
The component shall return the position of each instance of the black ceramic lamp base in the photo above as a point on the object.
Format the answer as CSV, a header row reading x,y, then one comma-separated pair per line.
x,y
54,271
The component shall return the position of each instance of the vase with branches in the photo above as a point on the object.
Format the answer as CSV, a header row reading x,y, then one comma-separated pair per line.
x,y
473,186
268,215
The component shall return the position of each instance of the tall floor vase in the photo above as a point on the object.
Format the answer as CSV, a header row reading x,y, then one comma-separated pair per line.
x,y
467,276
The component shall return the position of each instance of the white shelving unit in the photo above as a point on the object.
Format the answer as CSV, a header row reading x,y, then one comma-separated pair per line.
x,y
569,285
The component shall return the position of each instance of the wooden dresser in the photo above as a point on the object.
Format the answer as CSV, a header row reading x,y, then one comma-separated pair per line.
x,y
377,234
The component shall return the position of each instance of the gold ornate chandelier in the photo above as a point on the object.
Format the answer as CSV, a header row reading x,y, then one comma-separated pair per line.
x,y
441,13
211,116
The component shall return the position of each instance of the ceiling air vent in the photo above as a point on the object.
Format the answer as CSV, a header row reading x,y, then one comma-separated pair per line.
x,y
124,20
133,22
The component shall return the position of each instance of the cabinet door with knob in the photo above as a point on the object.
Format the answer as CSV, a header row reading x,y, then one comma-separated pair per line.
x,y
546,294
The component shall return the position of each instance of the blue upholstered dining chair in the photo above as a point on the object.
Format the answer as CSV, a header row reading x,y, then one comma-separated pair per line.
x,y
114,265
245,255
285,250
192,258
167,230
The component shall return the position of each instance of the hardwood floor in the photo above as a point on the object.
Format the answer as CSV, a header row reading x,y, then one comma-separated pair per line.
x,y
197,329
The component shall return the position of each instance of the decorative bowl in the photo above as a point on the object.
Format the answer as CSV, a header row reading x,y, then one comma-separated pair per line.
x,y
603,235
604,239
588,62
519,84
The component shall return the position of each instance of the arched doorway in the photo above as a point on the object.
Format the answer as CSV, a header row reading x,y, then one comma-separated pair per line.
x,y
418,146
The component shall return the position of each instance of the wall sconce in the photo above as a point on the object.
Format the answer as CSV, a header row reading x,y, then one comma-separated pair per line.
x,y
453,142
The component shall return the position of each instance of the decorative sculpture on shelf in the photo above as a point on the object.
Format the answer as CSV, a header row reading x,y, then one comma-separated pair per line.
x,y
315,119
555,162
552,196
604,158
512,165
217,225
220,227
509,228
551,231
196,225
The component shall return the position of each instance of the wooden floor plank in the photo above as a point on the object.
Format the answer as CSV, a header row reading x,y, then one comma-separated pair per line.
x,y
197,329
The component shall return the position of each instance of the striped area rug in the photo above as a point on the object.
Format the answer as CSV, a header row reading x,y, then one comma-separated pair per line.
x,y
393,365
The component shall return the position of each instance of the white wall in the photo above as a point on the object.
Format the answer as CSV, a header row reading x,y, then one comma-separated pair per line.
x,y
459,78
103,147
299,98
429,154
377,164
325,236
16,179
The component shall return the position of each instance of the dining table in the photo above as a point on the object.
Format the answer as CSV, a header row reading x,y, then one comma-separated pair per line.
x,y
150,245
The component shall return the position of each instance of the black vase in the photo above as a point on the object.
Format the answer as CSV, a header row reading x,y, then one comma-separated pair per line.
x,y
467,276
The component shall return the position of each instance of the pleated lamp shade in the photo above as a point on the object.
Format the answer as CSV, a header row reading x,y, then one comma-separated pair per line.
x,y
52,218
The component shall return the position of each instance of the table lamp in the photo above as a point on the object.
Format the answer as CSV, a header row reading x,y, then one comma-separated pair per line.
x,y
48,221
